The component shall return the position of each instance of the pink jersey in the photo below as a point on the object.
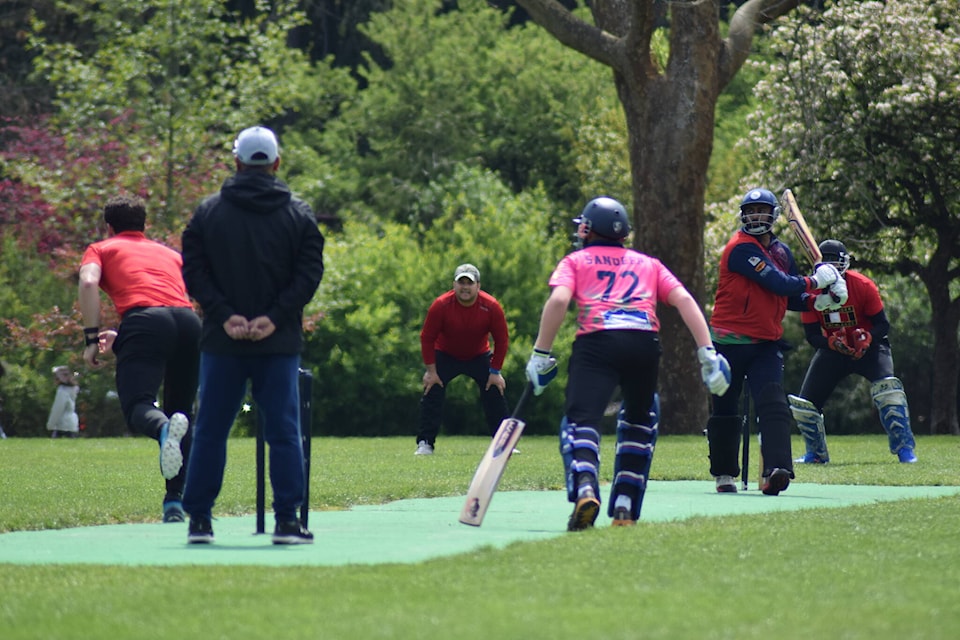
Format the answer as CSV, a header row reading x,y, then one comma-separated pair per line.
x,y
614,287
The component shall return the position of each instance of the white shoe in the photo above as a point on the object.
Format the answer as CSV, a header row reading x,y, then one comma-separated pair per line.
x,y
424,448
171,458
726,484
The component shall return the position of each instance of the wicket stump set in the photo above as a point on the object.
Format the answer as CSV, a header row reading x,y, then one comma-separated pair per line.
x,y
306,426
747,421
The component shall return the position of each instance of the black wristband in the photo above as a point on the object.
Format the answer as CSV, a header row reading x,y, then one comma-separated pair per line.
x,y
91,335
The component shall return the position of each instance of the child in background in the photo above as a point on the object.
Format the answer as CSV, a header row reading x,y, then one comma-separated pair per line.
x,y
63,413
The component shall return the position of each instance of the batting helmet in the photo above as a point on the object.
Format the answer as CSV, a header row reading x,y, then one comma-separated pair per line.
x,y
834,252
605,217
752,224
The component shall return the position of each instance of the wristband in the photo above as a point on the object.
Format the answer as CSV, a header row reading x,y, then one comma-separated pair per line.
x,y
91,335
495,372
541,352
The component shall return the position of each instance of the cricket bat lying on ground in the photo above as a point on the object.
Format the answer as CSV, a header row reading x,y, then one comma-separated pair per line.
x,y
492,466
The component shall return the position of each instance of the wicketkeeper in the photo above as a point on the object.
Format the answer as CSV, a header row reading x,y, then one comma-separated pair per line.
x,y
850,338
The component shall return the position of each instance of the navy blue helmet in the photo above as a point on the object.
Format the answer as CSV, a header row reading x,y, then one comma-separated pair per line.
x,y
757,224
605,217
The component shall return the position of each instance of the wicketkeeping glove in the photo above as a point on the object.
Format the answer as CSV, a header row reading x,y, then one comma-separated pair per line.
x,y
838,343
541,369
825,275
714,369
862,339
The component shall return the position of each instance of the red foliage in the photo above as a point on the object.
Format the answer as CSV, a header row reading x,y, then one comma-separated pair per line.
x,y
79,171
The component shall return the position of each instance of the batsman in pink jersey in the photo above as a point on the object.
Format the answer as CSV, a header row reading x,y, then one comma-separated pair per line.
x,y
616,291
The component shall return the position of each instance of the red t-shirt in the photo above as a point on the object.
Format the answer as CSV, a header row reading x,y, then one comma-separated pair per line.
x,y
464,332
137,272
863,302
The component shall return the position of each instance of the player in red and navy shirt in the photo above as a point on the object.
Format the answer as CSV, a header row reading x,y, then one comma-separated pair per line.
x,y
157,342
758,282
455,341
617,291
850,338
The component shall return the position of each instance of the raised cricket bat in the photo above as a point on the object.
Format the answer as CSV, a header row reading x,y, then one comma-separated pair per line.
x,y
492,466
799,226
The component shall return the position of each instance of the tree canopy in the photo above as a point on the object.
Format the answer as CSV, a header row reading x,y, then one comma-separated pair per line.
x,y
859,112
465,133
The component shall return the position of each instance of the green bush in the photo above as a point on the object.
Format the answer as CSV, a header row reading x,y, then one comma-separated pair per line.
x,y
379,282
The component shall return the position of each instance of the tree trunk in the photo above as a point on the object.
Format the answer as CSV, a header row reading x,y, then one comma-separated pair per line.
x,y
671,138
670,117
946,363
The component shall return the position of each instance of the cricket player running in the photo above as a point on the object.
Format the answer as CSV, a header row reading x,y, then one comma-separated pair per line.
x,y
850,338
758,282
616,290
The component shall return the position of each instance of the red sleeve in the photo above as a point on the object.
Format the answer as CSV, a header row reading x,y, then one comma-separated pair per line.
x,y
430,332
501,338
872,303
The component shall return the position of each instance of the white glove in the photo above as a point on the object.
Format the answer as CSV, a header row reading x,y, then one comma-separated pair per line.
x,y
825,275
838,291
714,369
825,302
541,369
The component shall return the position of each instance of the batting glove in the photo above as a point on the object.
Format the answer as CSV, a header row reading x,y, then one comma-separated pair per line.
x,y
838,343
838,291
825,275
714,369
541,369
825,302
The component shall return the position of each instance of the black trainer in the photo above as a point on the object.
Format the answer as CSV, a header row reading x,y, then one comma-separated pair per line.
x,y
201,531
173,511
777,481
586,510
291,532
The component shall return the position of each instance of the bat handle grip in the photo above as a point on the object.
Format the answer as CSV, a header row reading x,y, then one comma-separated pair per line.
x,y
523,399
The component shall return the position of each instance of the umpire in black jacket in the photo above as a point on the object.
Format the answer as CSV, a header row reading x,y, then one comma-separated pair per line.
x,y
252,258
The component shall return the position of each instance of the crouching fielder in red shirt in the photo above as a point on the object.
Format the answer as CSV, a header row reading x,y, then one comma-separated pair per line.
x,y
455,341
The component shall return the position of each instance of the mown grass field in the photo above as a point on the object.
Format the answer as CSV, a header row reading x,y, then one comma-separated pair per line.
x,y
886,570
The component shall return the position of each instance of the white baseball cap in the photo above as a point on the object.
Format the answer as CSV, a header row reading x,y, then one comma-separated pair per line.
x,y
256,146
467,271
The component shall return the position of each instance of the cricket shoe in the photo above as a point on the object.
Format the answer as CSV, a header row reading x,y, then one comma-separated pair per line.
x,y
171,457
291,532
173,511
424,448
777,481
585,513
812,458
726,484
622,518
906,455
200,531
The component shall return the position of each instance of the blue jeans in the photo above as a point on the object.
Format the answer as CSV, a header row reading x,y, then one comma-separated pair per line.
x,y
223,386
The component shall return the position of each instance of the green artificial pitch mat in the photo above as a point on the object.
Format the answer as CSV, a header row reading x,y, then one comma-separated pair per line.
x,y
409,531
